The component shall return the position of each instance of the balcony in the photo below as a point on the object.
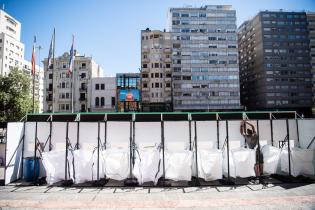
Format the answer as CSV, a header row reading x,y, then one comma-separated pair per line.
x,y
168,89
168,79
83,89
167,50
145,50
48,98
145,70
168,60
145,89
82,99
145,79
145,60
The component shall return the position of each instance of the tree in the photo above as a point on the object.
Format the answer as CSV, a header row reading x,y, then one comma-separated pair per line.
x,y
15,96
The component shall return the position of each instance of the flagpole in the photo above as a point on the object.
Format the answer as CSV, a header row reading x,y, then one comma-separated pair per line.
x,y
33,72
72,77
52,72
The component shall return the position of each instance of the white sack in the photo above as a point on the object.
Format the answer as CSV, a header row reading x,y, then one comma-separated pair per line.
x,y
271,157
209,164
54,164
116,163
242,163
302,161
148,165
178,165
85,165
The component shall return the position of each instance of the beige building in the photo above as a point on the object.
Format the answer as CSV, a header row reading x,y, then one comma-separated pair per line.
x,y
57,83
311,27
156,71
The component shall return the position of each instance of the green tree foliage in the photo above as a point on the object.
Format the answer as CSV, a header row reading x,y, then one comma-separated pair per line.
x,y
15,96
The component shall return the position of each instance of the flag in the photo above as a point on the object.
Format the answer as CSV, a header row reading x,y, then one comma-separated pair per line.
x,y
71,57
51,49
33,57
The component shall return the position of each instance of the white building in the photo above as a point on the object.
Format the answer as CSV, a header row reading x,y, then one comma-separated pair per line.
x,y
11,49
57,83
39,82
103,94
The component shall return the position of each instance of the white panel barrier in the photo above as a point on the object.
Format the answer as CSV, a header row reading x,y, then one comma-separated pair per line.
x,y
279,131
207,135
114,162
264,132
306,133
14,146
58,135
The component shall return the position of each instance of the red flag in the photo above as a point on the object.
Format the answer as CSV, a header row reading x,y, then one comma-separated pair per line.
x,y
33,57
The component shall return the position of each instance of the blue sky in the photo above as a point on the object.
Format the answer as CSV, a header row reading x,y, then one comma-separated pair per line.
x,y
109,30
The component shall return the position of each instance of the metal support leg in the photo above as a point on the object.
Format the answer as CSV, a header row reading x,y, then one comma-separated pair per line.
x,y
289,149
271,131
218,135
189,124
98,151
66,155
131,181
22,164
35,153
196,154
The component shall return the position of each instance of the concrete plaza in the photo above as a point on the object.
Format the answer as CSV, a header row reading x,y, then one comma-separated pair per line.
x,y
271,196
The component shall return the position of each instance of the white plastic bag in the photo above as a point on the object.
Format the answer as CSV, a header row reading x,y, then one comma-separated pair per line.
x,y
85,165
210,164
302,161
271,157
178,165
116,163
242,162
148,165
54,164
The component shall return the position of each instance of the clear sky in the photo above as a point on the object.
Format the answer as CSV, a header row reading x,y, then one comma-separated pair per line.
x,y
109,30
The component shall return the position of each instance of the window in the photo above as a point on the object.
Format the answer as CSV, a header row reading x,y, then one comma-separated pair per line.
x,y
97,101
83,65
113,101
50,76
168,65
145,66
157,85
102,101
102,86
97,86
83,75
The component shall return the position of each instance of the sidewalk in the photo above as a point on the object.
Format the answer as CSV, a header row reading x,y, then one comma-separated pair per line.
x,y
283,196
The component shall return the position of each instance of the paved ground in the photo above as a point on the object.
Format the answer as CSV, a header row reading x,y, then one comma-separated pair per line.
x,y
283,196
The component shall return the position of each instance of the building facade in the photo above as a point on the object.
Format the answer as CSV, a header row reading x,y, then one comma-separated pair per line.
x,y
58,83
311,29
205,58
11,48
156,71
128,92
39,83
274,62
103,94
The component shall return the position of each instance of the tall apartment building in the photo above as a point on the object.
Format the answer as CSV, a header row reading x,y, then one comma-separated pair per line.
x,y
274,61
11,48
57,83
311,29
156,71
205,58
103,94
